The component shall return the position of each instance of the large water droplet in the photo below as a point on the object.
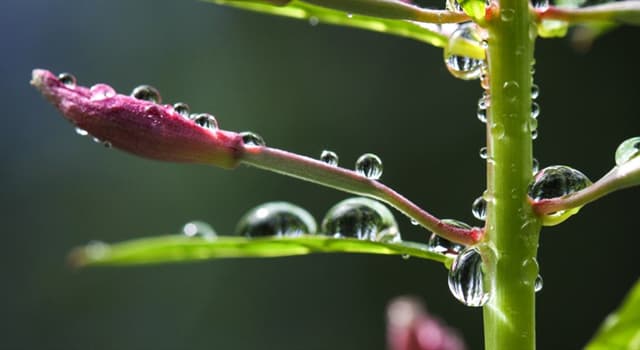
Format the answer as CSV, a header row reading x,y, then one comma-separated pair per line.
x,y
466,279
369,165
329,157
67,79
461,66
361,218
182,109
252,139
101,91
199,229
443,245
479,208
557,181
628,150
538,284
146,93
279,219
206,121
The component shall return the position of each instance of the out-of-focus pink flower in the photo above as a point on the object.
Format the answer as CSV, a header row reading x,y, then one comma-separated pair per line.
x,y
411,327
141,127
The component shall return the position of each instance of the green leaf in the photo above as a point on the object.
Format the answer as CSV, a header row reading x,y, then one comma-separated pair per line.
x,y
180,248
316,14
621,329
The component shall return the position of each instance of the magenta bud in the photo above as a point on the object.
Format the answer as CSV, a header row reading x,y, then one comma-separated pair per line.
x,y
141,127
411,327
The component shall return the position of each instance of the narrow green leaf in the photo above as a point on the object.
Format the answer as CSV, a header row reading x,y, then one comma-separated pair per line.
x,y
621,329
179,248
316,14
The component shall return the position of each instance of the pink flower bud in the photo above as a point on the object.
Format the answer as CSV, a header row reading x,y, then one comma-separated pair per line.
x,y
141,127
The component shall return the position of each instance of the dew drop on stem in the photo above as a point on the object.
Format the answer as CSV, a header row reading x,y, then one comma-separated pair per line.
x,y
329,157
483,152
538,284
361,218
535,110
252,139
444,246
557,181
479,208
463,67
535,91
67,79
369,165
627,150
146,93
466,279
199,229
280,219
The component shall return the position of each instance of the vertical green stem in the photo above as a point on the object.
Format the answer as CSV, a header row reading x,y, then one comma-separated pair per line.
x,y
512,228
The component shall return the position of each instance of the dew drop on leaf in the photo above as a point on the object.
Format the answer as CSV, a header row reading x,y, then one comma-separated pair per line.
x,y
628,150
361,218
463,67
280,219
67,79
369,165
443,245
146,93
252,139
329,157
199,229
466,279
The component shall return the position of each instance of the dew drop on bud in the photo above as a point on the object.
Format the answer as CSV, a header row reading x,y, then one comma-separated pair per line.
x,y
182,109
329,157
199,229
535,91
483,152
479,208
628,150
369,165
252,139
466,279
280,219
146,93
67,79
361,218
537,286
463,67
206,121
100,92
443,245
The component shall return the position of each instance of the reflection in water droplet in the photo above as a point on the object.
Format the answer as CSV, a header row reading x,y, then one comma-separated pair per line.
x,y
329,157
479,208
627,150
369,165
482,115
466,279
483,152
101,91
182,109
361,218
538,284
534,134
146,93
540,4
67,79
252,139
443,245
557,181
81,132
535,91
206,121
199,229
535,110
279,219
461,66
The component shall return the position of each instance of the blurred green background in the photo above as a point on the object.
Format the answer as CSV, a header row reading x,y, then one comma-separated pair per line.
x,y
303,89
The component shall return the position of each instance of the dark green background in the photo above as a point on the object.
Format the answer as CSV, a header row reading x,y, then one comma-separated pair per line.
x,y
304,89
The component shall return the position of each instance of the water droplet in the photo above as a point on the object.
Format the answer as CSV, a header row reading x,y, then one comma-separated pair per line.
x,y
199,229
405,256
414,222
535,110
479,208
483,102
82,132
369,165
349,15
463,67
101,91
147,93
538,284
540,4
67,79
279,219
361,218
497,129
313,21
535,166
252,139
483,152
329,157
443,245
511,90
507,14
535,91
482,115
182,109
466,279
534,134
453,5
206,121
557,181
627,150
107,144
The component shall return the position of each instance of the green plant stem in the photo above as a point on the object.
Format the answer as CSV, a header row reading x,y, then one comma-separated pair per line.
x,y
512,229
